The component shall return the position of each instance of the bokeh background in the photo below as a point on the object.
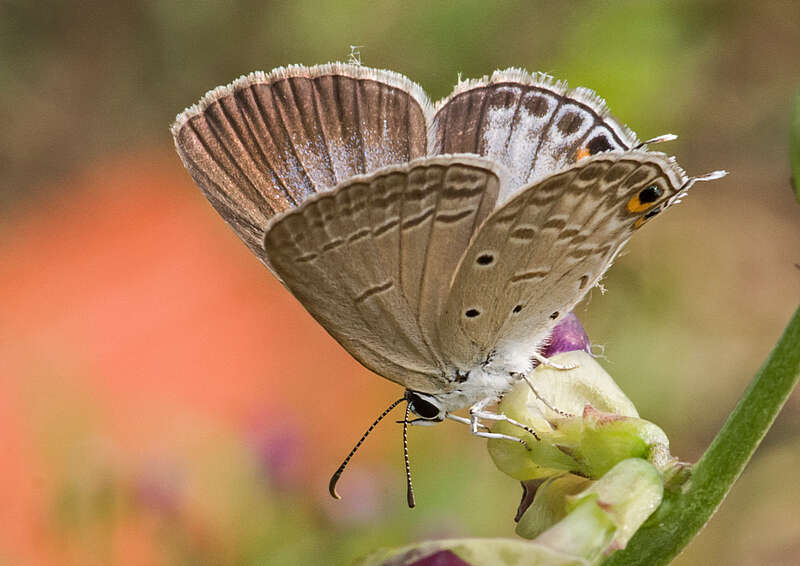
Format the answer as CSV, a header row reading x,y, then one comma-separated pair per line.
x,y
163,401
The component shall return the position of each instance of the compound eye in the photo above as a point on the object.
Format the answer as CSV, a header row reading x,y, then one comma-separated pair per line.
x,y
424,408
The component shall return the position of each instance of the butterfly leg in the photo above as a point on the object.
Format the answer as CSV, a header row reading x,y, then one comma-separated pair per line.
x,y
501,417
478,411
546,362
547,404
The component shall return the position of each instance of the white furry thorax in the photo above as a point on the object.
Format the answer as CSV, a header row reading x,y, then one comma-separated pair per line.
x,y
491,379
482,383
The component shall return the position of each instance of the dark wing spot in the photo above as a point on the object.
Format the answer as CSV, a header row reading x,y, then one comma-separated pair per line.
x,y
554,315
528,275
332,245
580,253
537,106
485,259
592,171
523,234
306,257
418,219
382,288
386,226
557,223
598,144
617,171
472,313
653,212
569,123
637,176
583,281
568,233
452,218
501,221
358,235
650,194
516,309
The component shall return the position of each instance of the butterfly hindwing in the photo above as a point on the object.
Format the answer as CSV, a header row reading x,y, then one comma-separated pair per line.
x,y
373,259
531,124
548,246
267,142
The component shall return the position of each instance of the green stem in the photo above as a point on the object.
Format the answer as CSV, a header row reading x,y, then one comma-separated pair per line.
x,y
681,516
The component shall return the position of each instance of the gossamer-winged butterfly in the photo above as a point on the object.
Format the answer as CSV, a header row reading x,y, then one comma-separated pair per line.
x,y
439,244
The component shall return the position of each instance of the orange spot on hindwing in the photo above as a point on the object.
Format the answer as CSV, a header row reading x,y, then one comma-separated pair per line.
x,y
645,199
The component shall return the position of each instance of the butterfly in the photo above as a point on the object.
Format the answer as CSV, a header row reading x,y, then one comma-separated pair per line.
x,y
439,244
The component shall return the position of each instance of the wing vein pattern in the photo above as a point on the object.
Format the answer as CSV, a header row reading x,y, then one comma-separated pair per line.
x,y
533,259
373,259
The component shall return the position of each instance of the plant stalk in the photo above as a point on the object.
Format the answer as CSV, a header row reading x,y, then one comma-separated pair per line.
x,y
682,515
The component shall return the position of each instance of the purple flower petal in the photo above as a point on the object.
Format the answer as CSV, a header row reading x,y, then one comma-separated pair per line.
x,y
568,335
440,558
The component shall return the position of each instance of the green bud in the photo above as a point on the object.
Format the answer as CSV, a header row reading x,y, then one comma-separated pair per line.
x,y
549,505
584,422
628,493
599,518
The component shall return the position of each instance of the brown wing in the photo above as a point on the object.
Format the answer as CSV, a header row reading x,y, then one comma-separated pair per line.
x,y
267,142
373,259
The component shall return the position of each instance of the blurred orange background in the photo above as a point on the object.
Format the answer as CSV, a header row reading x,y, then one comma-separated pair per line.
x,y
164,401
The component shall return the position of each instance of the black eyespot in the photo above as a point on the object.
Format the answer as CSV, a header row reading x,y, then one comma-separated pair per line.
x,y
516,309
554,315
653,212
598,144
472,313
485,259
649,194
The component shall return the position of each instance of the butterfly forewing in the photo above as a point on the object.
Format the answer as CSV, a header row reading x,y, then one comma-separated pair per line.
x,y
267,142
548,246
373,259
529,123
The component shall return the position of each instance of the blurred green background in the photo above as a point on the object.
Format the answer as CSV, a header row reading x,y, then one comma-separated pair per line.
x,y
164,401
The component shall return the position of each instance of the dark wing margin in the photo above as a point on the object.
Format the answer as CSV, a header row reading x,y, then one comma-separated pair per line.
x,y
266,142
